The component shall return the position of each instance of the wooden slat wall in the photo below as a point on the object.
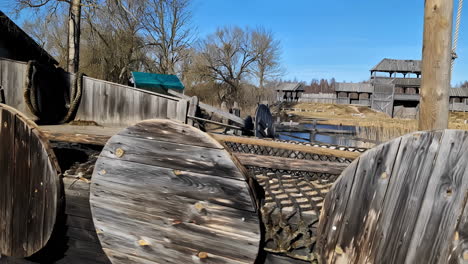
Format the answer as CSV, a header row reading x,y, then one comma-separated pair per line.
x,y
113,104
12,77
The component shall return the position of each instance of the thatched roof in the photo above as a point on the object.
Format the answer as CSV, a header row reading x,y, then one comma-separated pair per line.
x,y
295,87
401,66
354,87
20,46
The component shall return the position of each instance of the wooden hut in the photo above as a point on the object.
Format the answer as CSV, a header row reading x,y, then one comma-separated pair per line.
x,y
354,93
289,92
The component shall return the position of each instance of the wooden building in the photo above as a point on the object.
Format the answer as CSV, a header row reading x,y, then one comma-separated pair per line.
x,y
394,88
15,44
289,92
354,93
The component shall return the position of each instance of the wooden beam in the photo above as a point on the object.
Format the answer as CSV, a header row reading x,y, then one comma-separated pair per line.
x,y
99,140
214,122
212,109
281,163
288,146
436,64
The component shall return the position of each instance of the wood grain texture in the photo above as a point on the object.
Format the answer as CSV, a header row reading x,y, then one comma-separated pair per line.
x,y
163,192
12,79
113,104
405,205
30,185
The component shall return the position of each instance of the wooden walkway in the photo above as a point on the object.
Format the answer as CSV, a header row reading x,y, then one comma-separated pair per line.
x,y
29,189
402,202
164,192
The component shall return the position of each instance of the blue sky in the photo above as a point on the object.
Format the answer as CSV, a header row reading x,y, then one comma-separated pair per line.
x,y
333,38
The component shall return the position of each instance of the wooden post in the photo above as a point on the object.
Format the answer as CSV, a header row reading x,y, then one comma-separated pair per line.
x,y
192,109
436,63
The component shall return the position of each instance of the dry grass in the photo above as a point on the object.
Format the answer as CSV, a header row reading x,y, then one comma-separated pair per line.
x,y
372,124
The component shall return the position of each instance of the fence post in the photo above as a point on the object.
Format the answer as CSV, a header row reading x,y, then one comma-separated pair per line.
x,y
193,106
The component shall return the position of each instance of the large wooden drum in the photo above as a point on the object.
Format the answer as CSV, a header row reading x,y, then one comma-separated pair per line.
x,y
402,202
164,192
29,185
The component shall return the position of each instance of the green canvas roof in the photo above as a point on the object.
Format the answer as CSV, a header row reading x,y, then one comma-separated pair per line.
x,y
152,80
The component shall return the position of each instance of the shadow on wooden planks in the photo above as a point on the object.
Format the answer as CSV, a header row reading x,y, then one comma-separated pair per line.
x,y
164,192
402,202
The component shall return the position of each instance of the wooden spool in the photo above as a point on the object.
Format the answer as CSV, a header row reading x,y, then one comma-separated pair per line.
x,y
164,192
29,185
402,202
264,122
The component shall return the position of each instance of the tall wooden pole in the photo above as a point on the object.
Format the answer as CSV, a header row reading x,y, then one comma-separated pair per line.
x,y
74,36
436,63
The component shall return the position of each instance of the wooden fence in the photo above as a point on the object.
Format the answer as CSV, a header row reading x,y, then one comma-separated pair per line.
x,y
103,102
113,104
12,78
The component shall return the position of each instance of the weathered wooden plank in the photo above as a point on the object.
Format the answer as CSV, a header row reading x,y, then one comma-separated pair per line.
x,y
405,194
217,190
155,201
370,184
212,109
153,232
443,201
170,155
459,245
99,140
181,112
281,145
167,131
413,213
20,182
7,170
192,110
333,210
28,209
290,164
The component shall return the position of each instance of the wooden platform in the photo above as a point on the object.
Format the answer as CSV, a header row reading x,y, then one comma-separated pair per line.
x,y
402,202
29,189
164,192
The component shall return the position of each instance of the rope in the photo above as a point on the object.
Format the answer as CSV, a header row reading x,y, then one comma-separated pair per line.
x,y
29,89
31,94
457,32
75,97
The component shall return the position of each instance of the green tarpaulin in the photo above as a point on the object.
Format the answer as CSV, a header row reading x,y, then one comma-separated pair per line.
x,y
155,82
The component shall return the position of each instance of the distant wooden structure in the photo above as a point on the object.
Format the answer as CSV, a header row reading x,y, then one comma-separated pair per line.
x,y
30,185
354,93
402,202
166,192
289,92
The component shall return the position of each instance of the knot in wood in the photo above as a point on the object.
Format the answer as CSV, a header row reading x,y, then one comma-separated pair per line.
x,y
202,255
119,153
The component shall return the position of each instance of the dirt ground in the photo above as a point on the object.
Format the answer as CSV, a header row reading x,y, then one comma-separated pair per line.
x,y
362,116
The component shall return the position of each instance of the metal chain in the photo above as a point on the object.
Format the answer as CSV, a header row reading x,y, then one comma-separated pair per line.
x,y
457,31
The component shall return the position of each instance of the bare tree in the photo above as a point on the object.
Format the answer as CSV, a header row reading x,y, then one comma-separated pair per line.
x,y
112,44
267,65
168,33
226,57
51,7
